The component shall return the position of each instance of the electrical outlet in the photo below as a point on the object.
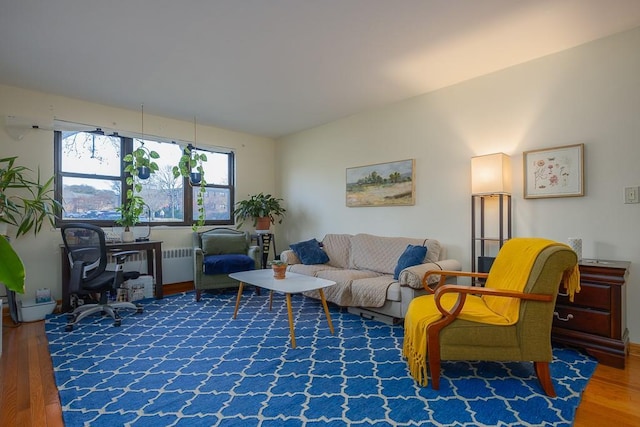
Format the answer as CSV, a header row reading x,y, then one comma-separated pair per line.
x,y
631,195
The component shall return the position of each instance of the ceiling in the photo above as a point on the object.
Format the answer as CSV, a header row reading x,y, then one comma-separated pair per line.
x,y
276,67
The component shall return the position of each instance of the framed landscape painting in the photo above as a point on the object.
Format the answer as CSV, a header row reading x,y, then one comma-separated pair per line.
x,y
382,184
554,172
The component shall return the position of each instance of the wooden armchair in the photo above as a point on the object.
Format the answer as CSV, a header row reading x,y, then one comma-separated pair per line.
x,y
219,252
501,321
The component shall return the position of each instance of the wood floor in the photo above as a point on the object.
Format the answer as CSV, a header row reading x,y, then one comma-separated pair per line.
x,y
29,397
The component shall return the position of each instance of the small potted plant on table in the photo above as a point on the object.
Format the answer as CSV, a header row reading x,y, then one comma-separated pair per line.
x,y
279,269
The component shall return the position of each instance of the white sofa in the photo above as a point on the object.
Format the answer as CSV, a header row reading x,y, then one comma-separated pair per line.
x,y
363,265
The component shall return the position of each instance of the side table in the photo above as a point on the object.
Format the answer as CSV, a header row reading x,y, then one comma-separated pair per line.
x,y
265,240
596,320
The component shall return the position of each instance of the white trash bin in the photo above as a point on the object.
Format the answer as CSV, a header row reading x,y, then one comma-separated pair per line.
x,y
30,311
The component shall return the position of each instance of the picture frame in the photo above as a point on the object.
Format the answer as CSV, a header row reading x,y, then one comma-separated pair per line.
x,y
381,184
554,172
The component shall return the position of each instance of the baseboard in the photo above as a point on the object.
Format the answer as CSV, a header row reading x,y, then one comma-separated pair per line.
x,y
176,288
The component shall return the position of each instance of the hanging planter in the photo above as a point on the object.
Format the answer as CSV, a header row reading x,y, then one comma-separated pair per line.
x,y
195,178
190,166
144,172
141,162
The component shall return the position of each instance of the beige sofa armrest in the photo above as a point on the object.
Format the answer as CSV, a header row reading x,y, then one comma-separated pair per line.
x,y
289,257
412,276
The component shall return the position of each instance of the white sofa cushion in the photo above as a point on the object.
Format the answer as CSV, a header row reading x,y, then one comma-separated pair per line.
x,y
337,247
371,292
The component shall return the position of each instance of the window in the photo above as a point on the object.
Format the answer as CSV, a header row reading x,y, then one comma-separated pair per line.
x,y
91,182
218,201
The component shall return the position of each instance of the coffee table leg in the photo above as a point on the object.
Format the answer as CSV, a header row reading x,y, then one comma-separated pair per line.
x,y
326,310
235,312
293,334
270,300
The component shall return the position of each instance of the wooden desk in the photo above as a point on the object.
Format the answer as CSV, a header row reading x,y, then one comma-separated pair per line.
x,y
154,265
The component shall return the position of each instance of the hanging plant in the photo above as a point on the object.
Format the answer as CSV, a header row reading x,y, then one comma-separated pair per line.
x,y
141,163
190,166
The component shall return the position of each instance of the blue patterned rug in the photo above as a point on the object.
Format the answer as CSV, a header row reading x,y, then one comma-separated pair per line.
x,y
183,363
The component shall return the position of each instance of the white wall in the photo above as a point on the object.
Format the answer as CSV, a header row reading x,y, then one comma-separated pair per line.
x,y
41,254
589,94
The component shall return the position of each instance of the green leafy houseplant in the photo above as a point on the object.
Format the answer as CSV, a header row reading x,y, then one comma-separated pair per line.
x,y
130,212
141,163
26,204
191,166
259,206
134,203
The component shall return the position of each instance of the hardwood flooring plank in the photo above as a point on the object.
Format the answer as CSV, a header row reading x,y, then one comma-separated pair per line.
x,y
36,395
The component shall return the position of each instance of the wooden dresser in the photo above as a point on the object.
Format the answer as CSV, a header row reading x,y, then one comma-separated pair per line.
x,y
596,320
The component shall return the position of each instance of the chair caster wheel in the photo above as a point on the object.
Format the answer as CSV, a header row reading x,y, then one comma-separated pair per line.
x,y
117,323
68,328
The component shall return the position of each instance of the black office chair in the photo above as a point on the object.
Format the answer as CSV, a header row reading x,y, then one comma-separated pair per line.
x,y
87,249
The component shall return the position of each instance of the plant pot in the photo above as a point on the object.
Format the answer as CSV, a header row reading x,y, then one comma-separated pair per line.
x,y
279,271
144,172
195,177
263,223
127,236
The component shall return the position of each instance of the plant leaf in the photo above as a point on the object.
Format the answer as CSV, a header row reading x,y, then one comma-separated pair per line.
x,y
11,267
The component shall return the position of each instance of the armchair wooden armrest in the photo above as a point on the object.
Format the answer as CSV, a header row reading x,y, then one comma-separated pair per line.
x,y
464,290
444,274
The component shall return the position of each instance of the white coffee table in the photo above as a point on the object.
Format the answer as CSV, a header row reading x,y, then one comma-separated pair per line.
x,y
293,283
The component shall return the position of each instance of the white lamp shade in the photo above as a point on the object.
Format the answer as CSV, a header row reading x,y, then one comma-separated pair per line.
x,y
491,174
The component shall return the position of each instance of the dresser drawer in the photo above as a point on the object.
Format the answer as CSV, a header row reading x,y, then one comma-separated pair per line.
x,y
581,319
591,295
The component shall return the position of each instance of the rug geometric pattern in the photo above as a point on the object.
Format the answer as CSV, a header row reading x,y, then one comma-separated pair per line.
x,y
182,363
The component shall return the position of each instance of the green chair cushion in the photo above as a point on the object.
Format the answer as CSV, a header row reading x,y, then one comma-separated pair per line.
x,y
224,244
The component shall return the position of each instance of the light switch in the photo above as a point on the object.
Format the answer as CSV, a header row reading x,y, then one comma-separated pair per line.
x,y
631,195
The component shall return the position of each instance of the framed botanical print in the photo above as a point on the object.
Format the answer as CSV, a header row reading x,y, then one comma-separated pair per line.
x,y
554,172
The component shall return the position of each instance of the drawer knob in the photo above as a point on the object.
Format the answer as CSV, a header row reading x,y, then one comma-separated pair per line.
x,y
565,319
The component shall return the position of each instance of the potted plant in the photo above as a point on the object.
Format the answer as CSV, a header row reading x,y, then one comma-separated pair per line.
x,y
279,269
140,162
134,204
191,166
25,204
263,209
130,215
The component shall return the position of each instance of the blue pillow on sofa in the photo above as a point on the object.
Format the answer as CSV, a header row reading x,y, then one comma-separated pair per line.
x,y
411,256
310,252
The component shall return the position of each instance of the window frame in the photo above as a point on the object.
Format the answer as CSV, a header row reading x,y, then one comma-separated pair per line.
x,y
126,147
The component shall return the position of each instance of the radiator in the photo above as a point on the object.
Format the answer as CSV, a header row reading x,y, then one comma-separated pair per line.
x,y
177,264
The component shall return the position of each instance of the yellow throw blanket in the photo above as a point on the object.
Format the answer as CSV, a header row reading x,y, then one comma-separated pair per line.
x,y
510,271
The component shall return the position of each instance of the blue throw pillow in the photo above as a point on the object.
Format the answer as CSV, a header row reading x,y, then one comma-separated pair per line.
x,y
310,252
411,256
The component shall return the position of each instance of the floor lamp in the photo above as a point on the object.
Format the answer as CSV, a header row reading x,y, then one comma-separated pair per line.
x,y
490,182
